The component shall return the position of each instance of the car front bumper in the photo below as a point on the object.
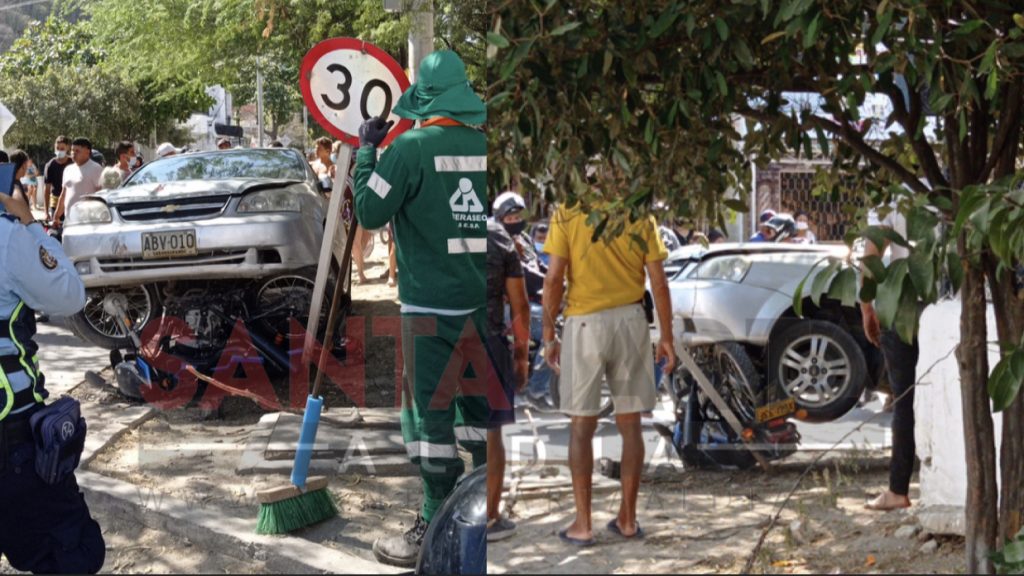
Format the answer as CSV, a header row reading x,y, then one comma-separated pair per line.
x,y
250,246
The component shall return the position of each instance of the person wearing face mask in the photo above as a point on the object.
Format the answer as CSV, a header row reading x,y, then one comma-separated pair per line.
x,y
21,163
125,154
540,235
803,229
81,178
53,173
509,208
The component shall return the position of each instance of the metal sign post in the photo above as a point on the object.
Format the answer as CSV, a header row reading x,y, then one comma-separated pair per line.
x,y
344,82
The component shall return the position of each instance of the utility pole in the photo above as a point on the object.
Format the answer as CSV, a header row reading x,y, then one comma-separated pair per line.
x,y
421,34
259,102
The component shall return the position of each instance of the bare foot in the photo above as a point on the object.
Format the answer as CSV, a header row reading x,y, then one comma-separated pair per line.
x,y
887,501
578,533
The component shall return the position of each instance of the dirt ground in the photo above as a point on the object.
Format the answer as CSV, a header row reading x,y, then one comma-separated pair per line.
x,y
709,522
131,548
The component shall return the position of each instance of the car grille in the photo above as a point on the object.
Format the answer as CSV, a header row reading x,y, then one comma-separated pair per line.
x,y
132,264
180,209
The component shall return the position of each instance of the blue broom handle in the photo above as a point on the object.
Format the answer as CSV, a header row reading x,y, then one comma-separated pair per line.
x,y
307,436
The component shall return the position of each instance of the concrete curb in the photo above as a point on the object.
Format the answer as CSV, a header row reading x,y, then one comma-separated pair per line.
x,y
233,537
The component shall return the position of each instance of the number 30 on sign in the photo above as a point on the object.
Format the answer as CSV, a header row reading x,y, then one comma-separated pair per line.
x,y
345,81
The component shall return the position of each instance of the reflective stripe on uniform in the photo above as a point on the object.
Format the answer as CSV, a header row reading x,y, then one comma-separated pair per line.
x,y
428,450
470,434
379,185
30,370
460,163
410,309
467,245
5,387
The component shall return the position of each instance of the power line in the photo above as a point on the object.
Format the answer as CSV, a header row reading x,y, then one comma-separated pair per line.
x,y
26,3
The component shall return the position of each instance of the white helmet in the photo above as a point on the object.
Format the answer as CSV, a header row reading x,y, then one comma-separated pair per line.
x,y
507,203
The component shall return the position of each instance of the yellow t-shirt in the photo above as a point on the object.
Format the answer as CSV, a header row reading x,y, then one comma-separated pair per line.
x,y
602,276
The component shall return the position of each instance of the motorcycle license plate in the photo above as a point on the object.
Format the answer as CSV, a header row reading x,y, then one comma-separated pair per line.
x,y
775,410
169,244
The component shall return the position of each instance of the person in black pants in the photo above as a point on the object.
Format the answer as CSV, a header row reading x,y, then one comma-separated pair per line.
x,y
901,364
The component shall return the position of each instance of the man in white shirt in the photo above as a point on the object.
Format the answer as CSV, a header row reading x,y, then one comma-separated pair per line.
x,y
81,178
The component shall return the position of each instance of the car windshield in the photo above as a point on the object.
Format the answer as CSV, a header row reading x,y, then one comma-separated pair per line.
x,y
225,165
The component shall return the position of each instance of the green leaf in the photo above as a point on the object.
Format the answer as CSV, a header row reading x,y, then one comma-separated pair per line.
x,y
742,52
667,18
599,229
969,202
844,287
811,35
989,58
736,205
723,29
921,223
868,290
992,84
772,37
883,26
1002,385
822,281
888,297
608,56
496,39
565,28
798,295
1013,552
822,140
875,266
723,87
1018,19
880,236
922,273
905,323
956,270
968,27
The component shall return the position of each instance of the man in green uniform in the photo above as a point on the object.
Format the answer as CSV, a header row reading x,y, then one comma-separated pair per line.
x,y
431,183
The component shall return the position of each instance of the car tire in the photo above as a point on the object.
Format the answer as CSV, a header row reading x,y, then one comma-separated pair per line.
x,y
308,275
804,354
95,326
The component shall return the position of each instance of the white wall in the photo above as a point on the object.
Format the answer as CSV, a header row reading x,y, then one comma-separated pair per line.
x,y
939,419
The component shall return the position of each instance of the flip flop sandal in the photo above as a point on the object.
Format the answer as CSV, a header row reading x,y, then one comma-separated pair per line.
x,y
564,536
613,527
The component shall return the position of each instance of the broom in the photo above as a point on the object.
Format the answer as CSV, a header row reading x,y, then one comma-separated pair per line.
x,y
306,500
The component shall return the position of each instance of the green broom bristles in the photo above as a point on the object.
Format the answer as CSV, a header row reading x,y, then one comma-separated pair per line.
x,y
297,512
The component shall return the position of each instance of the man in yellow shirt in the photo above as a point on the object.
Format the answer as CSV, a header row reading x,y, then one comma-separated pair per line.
x,y
606,338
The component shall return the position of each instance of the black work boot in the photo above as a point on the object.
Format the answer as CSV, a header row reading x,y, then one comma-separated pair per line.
x,y
402,550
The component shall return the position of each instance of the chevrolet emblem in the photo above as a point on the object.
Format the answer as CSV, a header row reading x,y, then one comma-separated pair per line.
x,y
170,208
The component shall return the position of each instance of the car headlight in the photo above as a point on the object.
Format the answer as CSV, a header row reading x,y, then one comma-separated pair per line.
x,y
731,269
89,212
270,201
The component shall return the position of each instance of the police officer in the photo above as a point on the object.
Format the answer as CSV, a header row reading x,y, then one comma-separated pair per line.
x,y
43,528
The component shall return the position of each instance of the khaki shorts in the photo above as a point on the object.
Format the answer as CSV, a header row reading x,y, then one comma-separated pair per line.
x,y
614,346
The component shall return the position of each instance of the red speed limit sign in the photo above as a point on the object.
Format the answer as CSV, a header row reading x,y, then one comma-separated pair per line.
x,y
346,81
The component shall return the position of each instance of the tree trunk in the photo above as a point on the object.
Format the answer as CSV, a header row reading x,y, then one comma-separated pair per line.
x,y
1009,312
979,438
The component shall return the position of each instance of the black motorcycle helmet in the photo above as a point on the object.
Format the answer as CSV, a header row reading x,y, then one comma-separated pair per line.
x,y
456,540
784,226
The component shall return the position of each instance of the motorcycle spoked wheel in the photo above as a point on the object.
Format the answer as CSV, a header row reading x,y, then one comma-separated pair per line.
x,y
733,374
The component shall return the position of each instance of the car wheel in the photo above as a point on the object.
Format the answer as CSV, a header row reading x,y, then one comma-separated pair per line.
x,y
95,326
278,299
820,365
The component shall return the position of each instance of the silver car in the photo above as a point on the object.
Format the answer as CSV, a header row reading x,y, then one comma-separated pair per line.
x,y
737,300
234,214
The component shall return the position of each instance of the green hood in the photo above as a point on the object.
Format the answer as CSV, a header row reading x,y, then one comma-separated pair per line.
x,y
442,90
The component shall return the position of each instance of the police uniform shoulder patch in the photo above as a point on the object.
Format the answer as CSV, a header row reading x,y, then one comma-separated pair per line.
x,y
49,262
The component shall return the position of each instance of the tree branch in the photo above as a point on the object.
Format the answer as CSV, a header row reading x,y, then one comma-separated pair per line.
x,y
1009,125
909,120
856,141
